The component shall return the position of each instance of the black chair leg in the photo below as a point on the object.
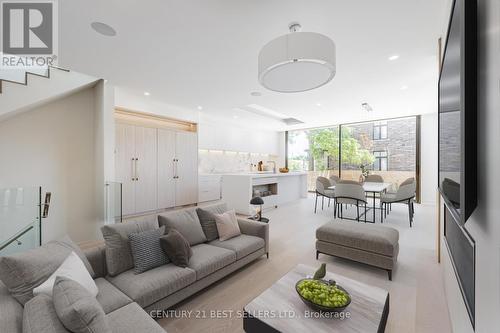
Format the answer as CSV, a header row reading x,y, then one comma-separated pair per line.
x,y
334,209
316,203
389,273
409,212
357,209
322,202
381,212
365,212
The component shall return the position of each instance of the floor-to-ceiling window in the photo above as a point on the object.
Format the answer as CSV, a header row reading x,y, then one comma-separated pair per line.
x,y
386,147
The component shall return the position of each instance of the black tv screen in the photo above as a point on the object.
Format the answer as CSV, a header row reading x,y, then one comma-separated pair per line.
x,y
457,113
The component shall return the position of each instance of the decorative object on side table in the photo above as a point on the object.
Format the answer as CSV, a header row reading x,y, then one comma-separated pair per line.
x,y
322,295
257,201
284,170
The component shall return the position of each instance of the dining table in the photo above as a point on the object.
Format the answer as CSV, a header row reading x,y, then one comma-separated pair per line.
x,y
371,189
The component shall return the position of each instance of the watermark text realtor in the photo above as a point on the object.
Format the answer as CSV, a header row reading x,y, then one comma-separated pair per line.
x,y
29,33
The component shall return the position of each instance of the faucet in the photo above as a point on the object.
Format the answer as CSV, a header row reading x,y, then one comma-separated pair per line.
x,y
274,165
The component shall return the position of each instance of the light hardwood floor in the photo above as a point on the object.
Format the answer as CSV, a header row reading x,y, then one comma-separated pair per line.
x,y
417,302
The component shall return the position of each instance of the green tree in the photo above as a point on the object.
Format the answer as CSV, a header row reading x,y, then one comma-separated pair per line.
x,y
325,142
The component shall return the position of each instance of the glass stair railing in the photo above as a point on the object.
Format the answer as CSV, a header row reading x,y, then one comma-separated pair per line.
x,y
113,205
20,219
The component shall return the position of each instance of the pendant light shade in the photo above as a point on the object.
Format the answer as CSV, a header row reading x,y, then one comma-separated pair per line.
x,y
298,61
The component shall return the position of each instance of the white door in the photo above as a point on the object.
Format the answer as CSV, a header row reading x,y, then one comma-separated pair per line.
x,y
186,151
146,184
166,171
125,165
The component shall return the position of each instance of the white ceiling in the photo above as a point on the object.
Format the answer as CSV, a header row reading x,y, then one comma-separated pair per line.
x,y
190,53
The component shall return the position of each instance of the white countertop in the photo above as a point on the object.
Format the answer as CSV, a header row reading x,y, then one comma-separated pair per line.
x,y
263,174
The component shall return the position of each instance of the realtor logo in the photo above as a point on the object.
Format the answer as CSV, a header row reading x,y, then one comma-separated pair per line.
x,y
29,33
27,27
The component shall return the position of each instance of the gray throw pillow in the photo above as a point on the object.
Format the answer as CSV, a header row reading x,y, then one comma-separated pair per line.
x,y
186,222
207,220
146,250
118,252
39,316
77,309
176,247
24,271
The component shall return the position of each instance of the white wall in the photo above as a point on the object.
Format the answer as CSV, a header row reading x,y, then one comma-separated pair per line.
x,y
428,157
484,224
54,146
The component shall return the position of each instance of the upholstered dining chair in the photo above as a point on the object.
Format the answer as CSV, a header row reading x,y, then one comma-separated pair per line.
x,y
374,179
322,185
349,193
334,179
405,195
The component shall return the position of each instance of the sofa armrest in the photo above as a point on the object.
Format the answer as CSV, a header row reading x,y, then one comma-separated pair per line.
x,y
97,258
255,228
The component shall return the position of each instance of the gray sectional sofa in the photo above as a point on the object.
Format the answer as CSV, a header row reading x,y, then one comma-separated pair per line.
x,y
128,298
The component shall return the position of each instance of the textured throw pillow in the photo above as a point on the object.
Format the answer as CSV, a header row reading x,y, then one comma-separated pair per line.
x,y
22,272
39,315
227,225
146,250
72,268
207,221
186,222
118,253
176,247
77,309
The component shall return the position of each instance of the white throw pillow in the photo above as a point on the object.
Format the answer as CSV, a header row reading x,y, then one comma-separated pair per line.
x,y
71,268
227,225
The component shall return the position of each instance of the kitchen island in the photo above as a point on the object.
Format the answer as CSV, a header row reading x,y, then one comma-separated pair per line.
x,y
274,188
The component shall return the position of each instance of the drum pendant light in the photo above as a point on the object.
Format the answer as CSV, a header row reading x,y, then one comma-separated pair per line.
x,y
298,61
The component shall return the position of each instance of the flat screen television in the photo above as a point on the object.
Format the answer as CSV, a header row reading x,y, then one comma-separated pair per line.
x,y
457,113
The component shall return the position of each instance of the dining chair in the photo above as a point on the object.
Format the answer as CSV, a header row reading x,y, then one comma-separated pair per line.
x,y
322,185
349,193
334,179
405,195
374,179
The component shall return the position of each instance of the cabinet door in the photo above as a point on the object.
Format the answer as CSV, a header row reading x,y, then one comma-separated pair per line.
x,y
186,187
166,165
146,192
124,165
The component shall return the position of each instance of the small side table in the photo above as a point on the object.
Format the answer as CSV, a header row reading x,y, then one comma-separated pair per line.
x,y
262,219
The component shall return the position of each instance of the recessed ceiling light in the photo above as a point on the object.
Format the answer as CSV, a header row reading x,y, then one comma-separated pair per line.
x,y
256,93
146,93
199,107
103,29
319,105
403,87
235,117
394,57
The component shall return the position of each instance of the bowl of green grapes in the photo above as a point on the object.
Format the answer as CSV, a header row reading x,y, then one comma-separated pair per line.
x,y
321,295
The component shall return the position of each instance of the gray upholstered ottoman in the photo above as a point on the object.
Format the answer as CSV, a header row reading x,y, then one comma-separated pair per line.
x,y
370,244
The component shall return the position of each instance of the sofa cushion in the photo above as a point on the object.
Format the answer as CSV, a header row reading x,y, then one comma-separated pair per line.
x,y
153,285
24,271
186,222
176,247
11,318
207,259
132,319
110,297
146,250
207,219
243,245
40,316
72,268
227,225
77,309
118,252
371,238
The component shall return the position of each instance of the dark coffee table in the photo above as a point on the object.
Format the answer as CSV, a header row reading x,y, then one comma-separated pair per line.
x,y
280,309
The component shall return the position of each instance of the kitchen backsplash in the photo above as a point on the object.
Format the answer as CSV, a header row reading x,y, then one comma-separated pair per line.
x,y
216,161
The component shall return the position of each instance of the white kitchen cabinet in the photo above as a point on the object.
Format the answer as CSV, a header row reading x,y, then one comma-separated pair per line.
x,y
209,188
135,160
157,167
166,168
186,168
